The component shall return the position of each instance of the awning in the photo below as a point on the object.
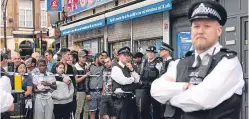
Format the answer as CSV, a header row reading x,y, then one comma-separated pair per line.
x,y
138,10
84,25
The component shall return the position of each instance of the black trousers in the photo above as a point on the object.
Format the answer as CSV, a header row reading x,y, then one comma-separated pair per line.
x,y
126,107
62,111
74,104
5,115
146,102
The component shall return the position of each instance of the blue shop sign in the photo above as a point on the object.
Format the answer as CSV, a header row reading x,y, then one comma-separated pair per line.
x,y
140,12
184,43
84,27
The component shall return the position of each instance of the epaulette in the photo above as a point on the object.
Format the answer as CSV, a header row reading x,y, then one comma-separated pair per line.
x,y
229,53
158,59
189,53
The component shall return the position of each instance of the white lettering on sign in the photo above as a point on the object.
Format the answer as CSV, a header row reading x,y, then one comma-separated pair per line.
x,y
229,29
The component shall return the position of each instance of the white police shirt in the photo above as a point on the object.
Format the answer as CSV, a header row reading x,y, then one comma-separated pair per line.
x,y
118,76
6,100
218,86
5,84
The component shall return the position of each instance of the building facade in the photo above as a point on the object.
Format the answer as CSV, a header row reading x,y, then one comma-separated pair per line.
x,y
118,23
27,20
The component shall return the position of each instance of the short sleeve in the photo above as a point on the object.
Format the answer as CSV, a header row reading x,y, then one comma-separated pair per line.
x,y
29,81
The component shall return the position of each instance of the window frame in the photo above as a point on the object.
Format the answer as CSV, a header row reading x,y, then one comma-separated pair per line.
x,y
25,14
46,16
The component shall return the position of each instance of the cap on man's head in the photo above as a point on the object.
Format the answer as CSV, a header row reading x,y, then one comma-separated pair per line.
x,y
124,50
151,49
81,53
138,55
207,10
165,46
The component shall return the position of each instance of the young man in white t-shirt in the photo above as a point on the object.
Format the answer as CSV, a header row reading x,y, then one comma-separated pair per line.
x,y
43,85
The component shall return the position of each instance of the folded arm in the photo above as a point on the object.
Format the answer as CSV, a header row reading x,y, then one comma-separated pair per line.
x,y
119,77
225,80
166,87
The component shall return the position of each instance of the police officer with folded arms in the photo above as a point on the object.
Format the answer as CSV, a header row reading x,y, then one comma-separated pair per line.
x,y
151,70
167,110
165,51
208,82
125,82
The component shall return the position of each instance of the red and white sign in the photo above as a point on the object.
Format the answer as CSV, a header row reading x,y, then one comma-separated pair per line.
x,y
54,4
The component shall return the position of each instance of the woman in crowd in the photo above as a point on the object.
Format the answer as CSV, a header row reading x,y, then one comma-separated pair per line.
x,y
27,86
63,95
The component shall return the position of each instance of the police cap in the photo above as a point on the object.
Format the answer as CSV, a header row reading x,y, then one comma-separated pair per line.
x,y
124,50
207,10
165,46
151,49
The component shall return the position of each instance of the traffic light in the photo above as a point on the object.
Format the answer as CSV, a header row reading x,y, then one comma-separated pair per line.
x,y
44,46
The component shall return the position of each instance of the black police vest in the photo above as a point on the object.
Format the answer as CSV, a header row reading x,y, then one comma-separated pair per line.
x,y
129,87
165,66
229,109
150,72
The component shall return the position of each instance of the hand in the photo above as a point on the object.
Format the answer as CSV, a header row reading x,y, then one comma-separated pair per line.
x,y
171,79
89,97
187,86
88,73
67,81
12,107
45,83
129,66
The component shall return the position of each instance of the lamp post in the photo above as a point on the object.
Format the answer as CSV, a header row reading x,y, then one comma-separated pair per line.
x,y
4,6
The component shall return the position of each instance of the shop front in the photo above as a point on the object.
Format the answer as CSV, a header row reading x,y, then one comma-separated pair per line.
x,y
87,34
140,26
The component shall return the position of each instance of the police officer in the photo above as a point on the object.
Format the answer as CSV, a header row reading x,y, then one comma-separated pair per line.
x,y
167,110
125,82
165,51
207,83
150,71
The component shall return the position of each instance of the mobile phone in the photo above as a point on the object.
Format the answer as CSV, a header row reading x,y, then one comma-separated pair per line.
x,y
10,66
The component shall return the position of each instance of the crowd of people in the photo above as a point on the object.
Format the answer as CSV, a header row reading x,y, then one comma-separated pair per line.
x,y
206,84
83,87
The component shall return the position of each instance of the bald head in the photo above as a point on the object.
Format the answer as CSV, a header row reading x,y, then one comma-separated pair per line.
x,y
36,55
16,58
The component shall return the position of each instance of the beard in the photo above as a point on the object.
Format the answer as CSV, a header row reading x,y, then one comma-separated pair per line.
x,y
201,44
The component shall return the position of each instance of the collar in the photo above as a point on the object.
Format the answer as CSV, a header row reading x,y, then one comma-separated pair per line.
x,y
151,60
51,61
167,58
210,50
78,66
121,64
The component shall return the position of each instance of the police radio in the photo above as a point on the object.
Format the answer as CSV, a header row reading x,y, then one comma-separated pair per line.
x,y
201,72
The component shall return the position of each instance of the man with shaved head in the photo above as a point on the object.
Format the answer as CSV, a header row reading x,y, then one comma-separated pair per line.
x,y
36,55
15,58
